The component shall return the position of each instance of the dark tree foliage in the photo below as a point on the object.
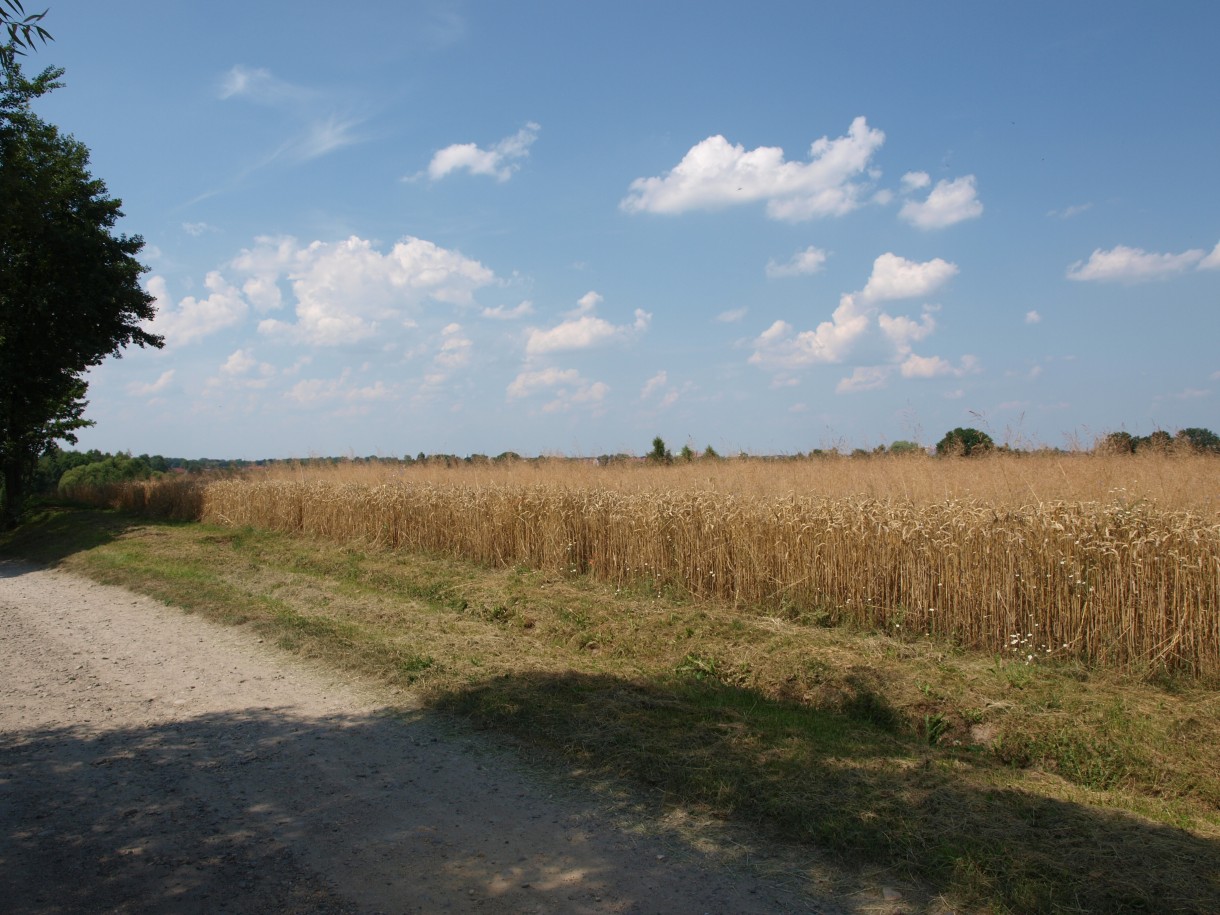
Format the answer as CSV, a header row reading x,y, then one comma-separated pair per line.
x,y
1159,441
659,453
69,286
964,443
1196,439
1193,440
1118,443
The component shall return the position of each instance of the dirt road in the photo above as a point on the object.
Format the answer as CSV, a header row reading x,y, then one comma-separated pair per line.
x,y
151,761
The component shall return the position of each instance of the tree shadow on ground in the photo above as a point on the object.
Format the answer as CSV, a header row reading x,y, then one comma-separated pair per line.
x,y
244,811
848,781
51,533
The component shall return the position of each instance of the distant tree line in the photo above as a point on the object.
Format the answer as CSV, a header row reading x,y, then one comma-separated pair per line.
x,y
95,467
71,468
1191,440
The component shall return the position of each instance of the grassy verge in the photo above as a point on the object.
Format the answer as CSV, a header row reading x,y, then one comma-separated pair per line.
x,y
1005,786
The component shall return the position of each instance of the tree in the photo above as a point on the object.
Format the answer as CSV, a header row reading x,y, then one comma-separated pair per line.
x,y
964,443
23,28
115,468
659,453
1196,439
69,286
1117,443
1159,442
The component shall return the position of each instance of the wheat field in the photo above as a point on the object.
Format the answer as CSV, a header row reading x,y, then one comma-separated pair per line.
x,y
1109,560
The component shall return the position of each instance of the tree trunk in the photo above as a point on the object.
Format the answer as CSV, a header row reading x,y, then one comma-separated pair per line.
x,y
14,493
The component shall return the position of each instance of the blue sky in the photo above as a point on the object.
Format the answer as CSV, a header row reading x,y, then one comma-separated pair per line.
x,y
562,227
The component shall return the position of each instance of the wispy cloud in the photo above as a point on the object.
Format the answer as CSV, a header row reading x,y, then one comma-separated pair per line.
x,y
196,229
139,389
318,123
802,263
1070,212
343,390
654,384
1133,265
256,84
504,313
569,389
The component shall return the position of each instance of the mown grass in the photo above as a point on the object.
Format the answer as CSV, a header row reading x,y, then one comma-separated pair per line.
x,y
1000,785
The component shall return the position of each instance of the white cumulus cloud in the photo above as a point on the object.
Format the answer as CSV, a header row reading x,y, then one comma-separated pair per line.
x,y
715,174
583,330
587,302
903,331
1132,265
858,332
193,318
779,347
1212,261
949,202
935,366
455,348
568,387
499,162
239,363
241,371
895,277
528,382
1032,317
317,391
803,262
349,291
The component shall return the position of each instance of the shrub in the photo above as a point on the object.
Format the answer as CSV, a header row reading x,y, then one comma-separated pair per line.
x,y
1117,443
116,469
964,443
659,453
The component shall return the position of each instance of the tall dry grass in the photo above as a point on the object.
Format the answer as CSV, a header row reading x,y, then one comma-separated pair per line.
x,y
1190,482
174,498
1113,560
